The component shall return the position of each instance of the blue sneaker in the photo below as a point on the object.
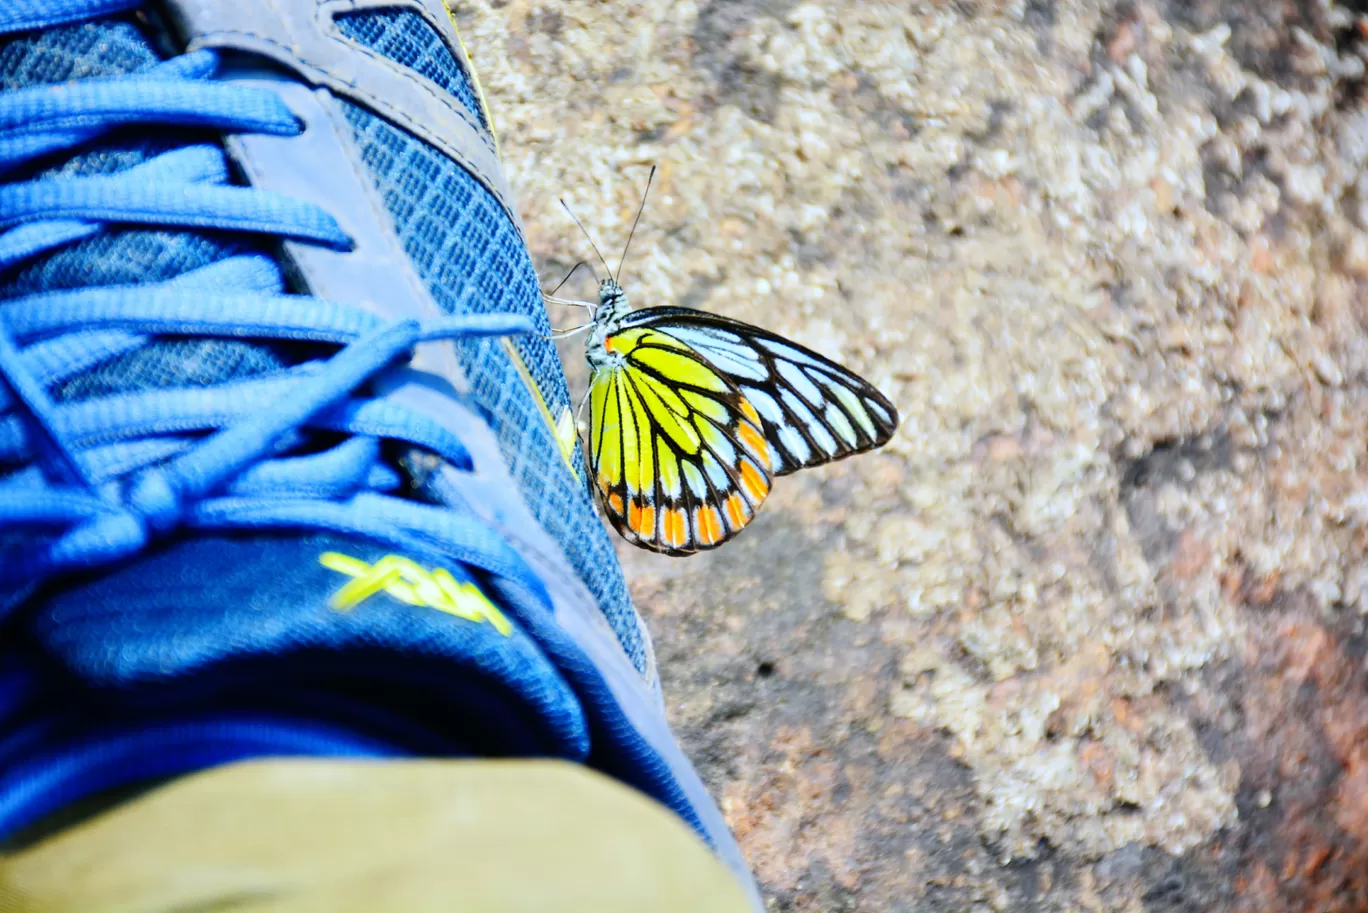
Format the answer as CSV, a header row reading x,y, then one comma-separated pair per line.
x,y
279,470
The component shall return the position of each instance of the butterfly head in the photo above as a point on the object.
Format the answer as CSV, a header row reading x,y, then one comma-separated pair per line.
x,y
612,302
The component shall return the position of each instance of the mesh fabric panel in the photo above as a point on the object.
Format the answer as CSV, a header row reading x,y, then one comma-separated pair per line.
x,y
471,258
74,52
123,256
406,38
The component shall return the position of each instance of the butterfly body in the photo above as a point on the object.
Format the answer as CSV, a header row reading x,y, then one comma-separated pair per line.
x,y
692,415
612,310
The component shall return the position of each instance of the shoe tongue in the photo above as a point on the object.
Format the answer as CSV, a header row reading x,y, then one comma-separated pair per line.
x,y
252,621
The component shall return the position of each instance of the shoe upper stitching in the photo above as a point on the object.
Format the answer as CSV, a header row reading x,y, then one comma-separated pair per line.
x,y
480,160
327,15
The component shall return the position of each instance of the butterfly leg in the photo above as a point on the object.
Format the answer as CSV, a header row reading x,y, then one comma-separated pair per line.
x,y
579,412
568,332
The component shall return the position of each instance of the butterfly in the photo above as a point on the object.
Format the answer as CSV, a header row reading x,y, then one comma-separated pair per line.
x,y
692,415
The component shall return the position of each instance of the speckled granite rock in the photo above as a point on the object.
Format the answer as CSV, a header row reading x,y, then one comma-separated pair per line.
x,y
1089,634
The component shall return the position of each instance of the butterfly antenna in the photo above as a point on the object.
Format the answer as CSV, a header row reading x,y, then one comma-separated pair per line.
x,y
589,238
640,210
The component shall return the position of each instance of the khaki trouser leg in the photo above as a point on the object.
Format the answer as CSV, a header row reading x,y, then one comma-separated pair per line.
x,y
308,836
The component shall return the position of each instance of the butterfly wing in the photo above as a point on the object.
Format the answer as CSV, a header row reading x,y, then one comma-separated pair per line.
x,y
678,455
812,410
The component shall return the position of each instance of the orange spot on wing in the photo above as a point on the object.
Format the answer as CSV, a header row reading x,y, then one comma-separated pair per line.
x,y
736,511
753,483
615,502
641,519
709,525
676,528
755,441
750,412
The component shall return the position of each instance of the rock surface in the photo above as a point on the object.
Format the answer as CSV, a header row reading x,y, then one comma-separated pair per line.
x,y
1089,633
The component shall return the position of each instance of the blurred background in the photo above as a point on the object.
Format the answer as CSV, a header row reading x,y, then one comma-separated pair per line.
x,y
1089,633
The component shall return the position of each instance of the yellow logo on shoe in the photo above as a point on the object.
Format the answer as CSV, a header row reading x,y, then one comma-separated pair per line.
x,y
408,582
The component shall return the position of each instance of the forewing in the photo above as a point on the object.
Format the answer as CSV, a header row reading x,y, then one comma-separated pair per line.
x,y
812,409
678,455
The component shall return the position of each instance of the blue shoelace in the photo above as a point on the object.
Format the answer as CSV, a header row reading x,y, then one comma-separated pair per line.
x,y
101,479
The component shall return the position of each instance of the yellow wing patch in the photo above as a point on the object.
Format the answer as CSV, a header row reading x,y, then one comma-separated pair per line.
x,y
679,456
